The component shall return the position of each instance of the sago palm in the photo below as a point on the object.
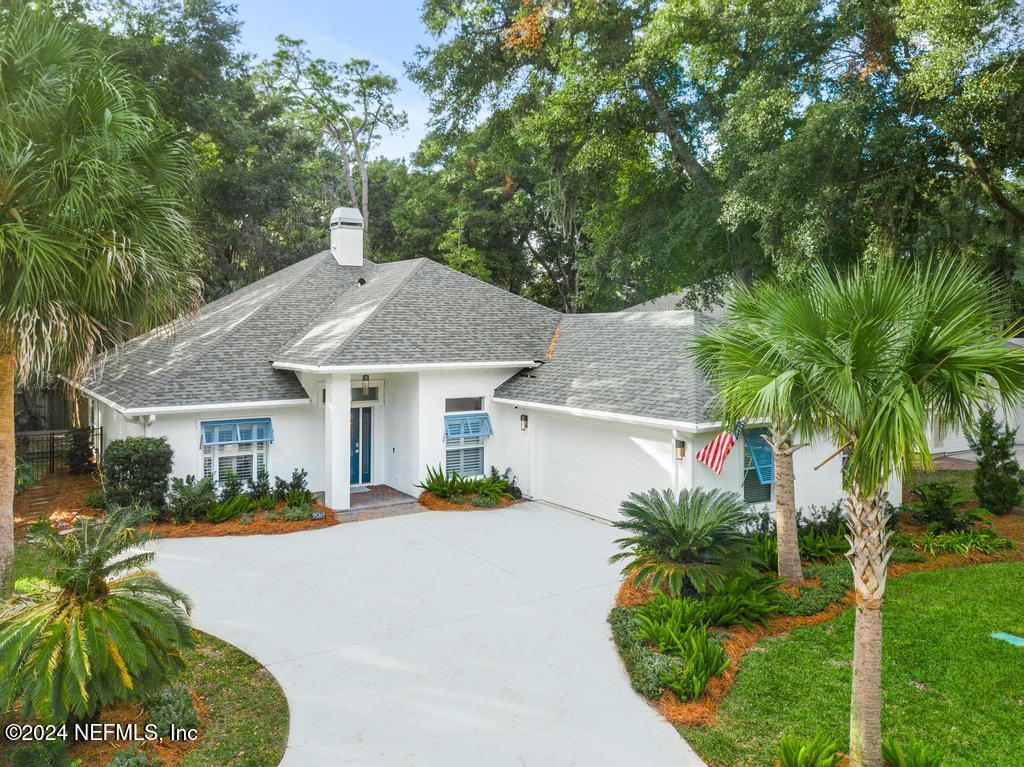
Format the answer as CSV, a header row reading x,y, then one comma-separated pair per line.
x,y
733,349
94,244
869,359
692,539
103,630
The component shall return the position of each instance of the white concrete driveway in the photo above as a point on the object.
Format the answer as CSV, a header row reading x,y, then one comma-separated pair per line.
x,y
434,639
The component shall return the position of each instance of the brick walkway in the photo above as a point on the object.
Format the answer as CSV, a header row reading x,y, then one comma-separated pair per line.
x,y
378,502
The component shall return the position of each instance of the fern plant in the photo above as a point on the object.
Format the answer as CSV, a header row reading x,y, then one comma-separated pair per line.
x,y
231,508
441,484
103,630
819,751
687,541
189,499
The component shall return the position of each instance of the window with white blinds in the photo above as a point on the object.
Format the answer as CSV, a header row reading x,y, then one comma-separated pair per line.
x,y
465,456
246,459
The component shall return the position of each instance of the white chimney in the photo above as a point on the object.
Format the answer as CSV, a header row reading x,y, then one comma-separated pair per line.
x,y
347,236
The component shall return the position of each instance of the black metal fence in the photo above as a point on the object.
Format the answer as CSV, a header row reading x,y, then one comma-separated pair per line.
x,y
46,451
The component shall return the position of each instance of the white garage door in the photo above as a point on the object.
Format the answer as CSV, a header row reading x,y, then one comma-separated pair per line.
x,y
592,465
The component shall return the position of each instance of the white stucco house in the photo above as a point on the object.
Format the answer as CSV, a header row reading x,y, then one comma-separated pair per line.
x,y
364,373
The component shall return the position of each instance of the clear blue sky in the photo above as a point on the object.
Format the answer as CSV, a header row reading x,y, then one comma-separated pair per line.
x,y
384,31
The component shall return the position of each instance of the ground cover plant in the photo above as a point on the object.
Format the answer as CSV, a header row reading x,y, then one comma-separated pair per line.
x,y
947,682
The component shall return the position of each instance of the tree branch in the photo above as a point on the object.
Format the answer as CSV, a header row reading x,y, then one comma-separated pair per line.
x,y
989,186
680,149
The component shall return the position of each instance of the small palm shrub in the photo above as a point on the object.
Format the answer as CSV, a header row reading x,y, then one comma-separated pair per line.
x,y
819,751
229,509
746,598
997,477
136,471
104,630
297,484
702,658
691,541
298,498
171,705
441,484
911,754
479,491
662,619
133,757
189,500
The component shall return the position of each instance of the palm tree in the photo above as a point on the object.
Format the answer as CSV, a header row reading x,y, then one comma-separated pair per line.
x,y
869,358
687,541
733,350
104,630
94,244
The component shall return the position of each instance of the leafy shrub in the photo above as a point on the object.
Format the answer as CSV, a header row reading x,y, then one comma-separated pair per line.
x,y
189,500
441,484
297,513
702,658
260,489
24,475
266,502
271,516
819,751
479,491
937,507
78,451
297,484
298,498
171,705
963,542
663,619
136,470
232,486
229,509
687,542
137,624
41,753
511,488
997,478
822,545
644,666
95,499
133,757
912,754
745,598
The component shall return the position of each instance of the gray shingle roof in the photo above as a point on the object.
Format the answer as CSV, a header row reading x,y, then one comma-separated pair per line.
x,y
316,312
630,363
426,314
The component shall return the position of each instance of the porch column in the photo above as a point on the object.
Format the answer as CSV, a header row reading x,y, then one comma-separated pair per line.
x,y
337,444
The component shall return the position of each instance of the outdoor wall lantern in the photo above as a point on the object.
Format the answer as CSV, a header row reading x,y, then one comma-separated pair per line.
x,y
680,449
366,384
524,422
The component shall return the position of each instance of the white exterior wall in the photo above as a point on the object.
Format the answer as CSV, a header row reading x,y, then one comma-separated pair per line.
x,y
945,441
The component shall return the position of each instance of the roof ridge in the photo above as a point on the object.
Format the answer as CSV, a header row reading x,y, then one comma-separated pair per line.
x,y
522,299
373,312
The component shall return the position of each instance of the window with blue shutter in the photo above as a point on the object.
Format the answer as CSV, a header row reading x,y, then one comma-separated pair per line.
x,y
758,467
464,442
237,446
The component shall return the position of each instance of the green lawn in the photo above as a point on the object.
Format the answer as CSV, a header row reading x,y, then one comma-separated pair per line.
x,y
946,682
963,480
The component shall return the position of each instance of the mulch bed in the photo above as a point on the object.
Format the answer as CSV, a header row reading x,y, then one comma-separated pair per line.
x,y
61,498
740,641
432,502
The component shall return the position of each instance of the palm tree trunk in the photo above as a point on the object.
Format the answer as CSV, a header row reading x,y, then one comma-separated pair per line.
x,y
869,558
785,519
6,468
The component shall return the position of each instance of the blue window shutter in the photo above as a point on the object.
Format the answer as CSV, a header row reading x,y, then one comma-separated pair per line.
x,y
762,456
464,425
237,431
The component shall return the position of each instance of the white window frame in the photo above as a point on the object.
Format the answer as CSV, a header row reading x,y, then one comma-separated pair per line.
x,y
466,443
213,453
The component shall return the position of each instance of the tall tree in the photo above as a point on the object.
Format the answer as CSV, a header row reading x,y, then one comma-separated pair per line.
x,y
94,243
869,359
353,103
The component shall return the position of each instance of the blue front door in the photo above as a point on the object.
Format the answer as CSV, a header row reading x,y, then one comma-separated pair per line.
x,y
361,430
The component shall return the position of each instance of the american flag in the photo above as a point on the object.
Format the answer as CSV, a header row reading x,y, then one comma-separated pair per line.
x,y
713,455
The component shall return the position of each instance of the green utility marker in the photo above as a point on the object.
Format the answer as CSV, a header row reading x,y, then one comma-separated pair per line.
x,y
1014,640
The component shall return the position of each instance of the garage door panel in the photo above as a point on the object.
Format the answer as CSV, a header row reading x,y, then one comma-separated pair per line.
x,y
593,465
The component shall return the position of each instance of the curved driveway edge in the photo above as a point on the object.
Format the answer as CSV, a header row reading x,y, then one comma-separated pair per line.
x,y
434,639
